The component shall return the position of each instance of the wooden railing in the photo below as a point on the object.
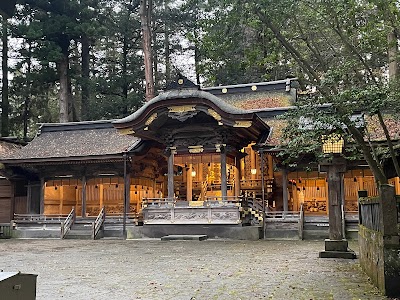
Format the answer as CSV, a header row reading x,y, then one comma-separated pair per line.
x,y
226,200
369,213
37,218
282,214
69,221
160,202
99,222
256,184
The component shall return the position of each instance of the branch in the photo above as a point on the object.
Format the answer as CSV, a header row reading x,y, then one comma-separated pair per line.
x,y
373,164
390,144
289,47
353,49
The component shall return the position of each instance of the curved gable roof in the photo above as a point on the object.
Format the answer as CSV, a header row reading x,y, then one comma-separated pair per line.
x,y
184,97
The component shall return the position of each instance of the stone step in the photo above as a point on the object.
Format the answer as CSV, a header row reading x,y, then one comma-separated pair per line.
x,y
184,237
82,226
315,234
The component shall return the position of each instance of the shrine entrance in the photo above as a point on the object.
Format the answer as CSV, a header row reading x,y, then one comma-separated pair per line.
x,y
198,177
203,138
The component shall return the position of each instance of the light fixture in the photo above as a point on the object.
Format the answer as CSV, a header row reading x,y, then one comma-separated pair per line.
x,y
193,173
332,144
253,171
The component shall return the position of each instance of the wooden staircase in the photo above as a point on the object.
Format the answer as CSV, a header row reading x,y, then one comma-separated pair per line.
x,y
82,229
316,227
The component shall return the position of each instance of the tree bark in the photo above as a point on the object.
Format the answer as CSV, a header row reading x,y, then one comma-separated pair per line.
x,y
64,101
145,14
4,93
392,54
27,93
85,69
167,44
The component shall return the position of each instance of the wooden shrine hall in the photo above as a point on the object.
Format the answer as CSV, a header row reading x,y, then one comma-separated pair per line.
x,y
188,161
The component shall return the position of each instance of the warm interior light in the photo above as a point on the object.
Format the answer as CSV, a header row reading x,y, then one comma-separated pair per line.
x,y
254,171
193,173
332,144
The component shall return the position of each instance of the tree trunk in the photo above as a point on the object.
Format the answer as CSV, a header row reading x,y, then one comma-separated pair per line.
x,y
125,84
167,44
64,101
4,94
27,93
85,55
392,54
145,14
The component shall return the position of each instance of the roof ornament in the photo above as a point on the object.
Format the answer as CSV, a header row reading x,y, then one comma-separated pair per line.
x,y
181,82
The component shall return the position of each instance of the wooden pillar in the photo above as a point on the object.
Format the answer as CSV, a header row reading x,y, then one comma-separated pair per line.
x,y
253,163
61,193
285,195
83,208
242,169
28,199
270,167
101,195
127,192
224,186
335,170
189,183
171,173
237,177
397,185
42,189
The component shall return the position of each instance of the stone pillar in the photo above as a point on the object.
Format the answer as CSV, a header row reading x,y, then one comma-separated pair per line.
x,y
224,186
83,208
172,151
285,195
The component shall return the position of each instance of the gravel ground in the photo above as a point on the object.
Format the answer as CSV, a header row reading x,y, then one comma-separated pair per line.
x,y
213,269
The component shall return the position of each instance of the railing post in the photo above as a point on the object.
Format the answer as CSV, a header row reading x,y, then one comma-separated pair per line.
x,y
62,229
301,222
